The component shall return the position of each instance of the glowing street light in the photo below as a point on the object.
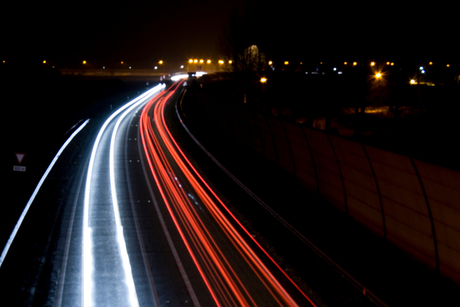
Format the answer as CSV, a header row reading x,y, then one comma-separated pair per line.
x,y
160,62
208,61
263,80
230,62
286,62
190,61
84,62
221,62
121,62
378,75
195,61
372,63
201,61
355,63
44,61
270,62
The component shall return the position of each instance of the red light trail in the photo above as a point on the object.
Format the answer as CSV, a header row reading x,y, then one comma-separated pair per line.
x,y
216,241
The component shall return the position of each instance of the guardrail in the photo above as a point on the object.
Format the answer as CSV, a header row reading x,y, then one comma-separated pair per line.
x,y
410,203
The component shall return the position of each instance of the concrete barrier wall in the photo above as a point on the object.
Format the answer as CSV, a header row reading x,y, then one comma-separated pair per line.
x,y
408,202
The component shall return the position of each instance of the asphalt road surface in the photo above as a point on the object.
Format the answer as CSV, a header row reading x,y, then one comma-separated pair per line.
x,y
133,223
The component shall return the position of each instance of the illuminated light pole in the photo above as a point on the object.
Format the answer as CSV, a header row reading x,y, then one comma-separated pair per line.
x,y
84,62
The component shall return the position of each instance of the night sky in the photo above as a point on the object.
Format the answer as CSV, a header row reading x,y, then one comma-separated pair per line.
x,y
141,33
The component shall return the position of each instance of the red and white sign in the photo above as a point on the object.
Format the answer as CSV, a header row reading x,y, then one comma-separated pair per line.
x,y
19,156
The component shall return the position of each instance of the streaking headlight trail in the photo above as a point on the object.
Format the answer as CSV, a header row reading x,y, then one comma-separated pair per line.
x,y
126,285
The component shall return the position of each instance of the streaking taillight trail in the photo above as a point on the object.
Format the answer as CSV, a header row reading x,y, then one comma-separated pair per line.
x,y
220,247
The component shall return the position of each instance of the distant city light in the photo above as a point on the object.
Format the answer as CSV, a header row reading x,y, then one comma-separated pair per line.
x,y
121,62
412,81
270,62
156,67
160,62
195,61
334,69
44,61
190,61
208,61
423,71
388,63
345,63
392,64
431,63
182,66
221,62
354,63
421,67
103,67
230,62
263,80
286,62
372,63
378,75
201,61
84,62
448,65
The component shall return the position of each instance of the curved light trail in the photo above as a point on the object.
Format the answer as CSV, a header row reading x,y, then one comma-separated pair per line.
x,y
220,247
90,202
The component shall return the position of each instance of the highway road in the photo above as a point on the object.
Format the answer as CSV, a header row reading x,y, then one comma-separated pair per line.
x,y
139,226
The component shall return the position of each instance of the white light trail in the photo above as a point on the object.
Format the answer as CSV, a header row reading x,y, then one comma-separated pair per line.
x,y
87,261
34,194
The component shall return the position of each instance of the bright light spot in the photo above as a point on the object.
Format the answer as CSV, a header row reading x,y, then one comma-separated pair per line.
x,y
200,73
448,65
423,71
339,72
103,67
208,61
44,61
286,62
201,61
270,62
354,63
263,80
334,69
221,62
388,63
378,75
412,81
160,62
431,63
372,63
121,62
195,61
190,61
392,64
178,77
345,63
421,67
129,67
156,67
230,62
84,62
182,66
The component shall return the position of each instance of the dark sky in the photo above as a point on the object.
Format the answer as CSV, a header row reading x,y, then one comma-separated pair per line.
x,y
142,32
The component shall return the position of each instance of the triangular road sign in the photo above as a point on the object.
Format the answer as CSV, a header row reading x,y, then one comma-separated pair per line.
x,y
19,157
